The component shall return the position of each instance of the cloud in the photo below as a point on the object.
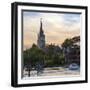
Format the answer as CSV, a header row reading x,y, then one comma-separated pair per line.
x,y
57,27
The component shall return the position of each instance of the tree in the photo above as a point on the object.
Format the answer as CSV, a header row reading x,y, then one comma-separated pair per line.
x,y
71,49
32,56
67,43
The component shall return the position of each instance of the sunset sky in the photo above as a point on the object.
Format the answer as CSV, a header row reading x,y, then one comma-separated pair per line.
x,y
56,26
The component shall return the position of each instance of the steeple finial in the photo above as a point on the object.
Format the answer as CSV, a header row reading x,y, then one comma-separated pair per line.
x,y
41,22
41,29
41,19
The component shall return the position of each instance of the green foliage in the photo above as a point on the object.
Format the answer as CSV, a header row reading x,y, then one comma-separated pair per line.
x,y
49,59
71,49
70,42
53,56
67,42
33,55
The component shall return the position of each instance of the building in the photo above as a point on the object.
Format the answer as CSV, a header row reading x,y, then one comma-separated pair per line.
x,y
41,37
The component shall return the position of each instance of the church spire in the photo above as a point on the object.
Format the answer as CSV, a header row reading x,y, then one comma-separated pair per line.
x,y
41,28
41,37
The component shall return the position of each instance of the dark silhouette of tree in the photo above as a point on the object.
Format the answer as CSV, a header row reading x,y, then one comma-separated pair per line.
x,y
67,43
71,50
32,56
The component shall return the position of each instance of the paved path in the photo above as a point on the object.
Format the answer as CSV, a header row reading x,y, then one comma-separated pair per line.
x,y
60,71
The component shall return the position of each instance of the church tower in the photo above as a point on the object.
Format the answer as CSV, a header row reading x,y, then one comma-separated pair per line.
x,y
41,37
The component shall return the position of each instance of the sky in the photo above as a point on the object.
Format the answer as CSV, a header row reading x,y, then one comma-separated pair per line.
x,y
56,26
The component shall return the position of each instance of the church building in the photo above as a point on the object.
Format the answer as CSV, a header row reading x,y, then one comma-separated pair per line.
x,y
41,37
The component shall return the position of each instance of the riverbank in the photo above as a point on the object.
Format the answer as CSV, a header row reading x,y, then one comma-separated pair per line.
x,y
54,71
